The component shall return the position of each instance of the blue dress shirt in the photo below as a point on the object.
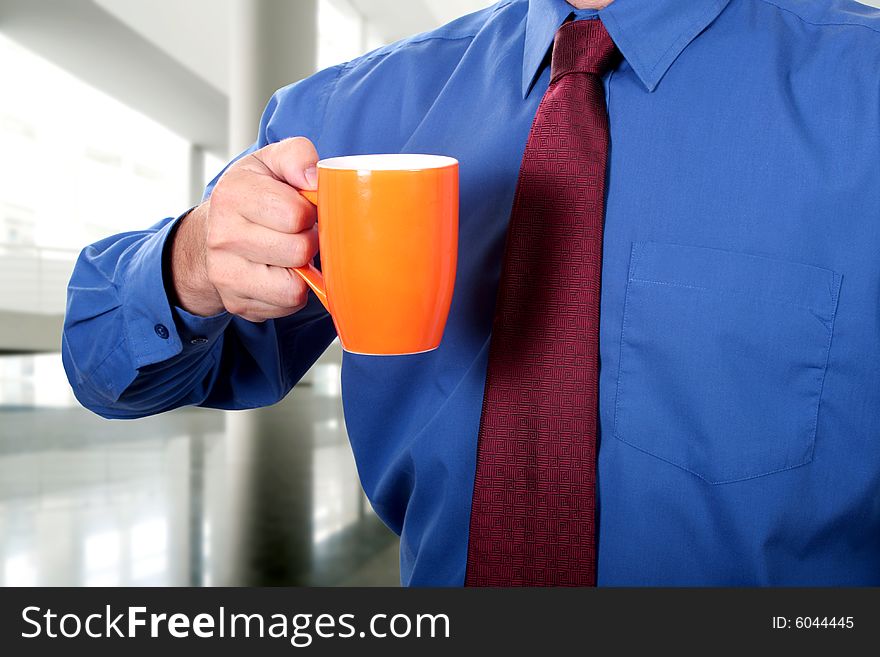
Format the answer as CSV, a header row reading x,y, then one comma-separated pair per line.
x,y
740,330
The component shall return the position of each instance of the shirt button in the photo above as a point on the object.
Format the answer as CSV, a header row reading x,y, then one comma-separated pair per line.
x,y
199,340
161,331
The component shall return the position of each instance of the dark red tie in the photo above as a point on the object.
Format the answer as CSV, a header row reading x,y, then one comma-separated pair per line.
x,y
533,512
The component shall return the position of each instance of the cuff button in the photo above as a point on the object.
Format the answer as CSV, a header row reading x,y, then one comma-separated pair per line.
x,y
199,340
161,331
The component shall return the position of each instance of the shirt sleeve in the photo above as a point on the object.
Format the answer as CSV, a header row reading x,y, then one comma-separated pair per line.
x,y
128,352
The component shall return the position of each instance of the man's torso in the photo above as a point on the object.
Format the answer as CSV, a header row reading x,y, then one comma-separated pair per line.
x,y
740,312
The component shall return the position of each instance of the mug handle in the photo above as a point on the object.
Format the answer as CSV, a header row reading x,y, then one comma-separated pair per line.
x,y
311,274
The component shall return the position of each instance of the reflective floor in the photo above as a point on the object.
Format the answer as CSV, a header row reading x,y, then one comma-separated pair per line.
x,y
193,497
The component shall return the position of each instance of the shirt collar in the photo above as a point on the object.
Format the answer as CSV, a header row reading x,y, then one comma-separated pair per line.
x,y
649,33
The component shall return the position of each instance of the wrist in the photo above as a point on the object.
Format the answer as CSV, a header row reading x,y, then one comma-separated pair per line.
x,y
192,289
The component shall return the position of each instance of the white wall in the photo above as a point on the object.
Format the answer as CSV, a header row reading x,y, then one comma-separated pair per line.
x,y
194,32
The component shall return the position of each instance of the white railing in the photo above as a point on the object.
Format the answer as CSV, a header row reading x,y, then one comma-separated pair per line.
x,y
33,279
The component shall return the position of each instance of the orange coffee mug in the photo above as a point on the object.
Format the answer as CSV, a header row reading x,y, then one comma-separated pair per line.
x,y
388,239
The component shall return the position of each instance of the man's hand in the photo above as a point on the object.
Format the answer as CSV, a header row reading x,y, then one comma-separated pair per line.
x,y
232,252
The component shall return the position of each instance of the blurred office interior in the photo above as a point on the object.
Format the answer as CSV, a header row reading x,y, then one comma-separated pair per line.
x,y
113,115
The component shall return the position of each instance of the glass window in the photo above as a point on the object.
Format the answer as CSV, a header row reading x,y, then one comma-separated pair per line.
x,y
72,158
72,161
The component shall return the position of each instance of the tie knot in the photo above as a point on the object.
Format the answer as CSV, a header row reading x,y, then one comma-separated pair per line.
x,y
582,47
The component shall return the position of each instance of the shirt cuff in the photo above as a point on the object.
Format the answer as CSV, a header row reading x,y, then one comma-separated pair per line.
x,y
197,332
154,332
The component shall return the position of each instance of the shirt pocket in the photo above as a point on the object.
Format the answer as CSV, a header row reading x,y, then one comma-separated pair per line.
x,y
722,359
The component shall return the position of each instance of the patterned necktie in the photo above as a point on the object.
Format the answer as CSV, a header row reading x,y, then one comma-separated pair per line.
x,y
533,512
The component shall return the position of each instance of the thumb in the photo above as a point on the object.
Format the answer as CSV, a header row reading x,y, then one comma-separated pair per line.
x,y
292,161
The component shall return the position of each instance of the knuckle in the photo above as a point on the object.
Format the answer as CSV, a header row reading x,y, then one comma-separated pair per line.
x,y
299,295
300,142
283,297
218,277
282,213
220,196
224,236
287,294
214,239
236,307
303,249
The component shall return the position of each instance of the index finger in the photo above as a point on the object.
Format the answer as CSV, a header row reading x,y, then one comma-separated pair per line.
x,y
276,205
291,160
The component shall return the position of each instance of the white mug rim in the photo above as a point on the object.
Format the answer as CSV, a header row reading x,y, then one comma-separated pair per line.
x,y
388,162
